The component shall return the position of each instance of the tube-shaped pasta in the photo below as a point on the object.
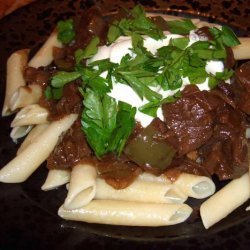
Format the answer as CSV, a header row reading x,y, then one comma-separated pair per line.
x,y
142,191
195,186
24,164
30,115
15,67
24,96
150,177
36,131
225,201
241,51
19,132
44,56
82,186
56,178
128,213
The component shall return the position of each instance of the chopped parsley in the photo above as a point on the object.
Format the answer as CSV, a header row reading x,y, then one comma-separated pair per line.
x,y
66,32
107,125
225,36
182,27
87,52
136,22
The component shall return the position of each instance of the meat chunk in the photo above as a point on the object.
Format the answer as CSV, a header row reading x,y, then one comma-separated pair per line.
x,y
72,149
241,87
117,172
210,123
191,118
225,153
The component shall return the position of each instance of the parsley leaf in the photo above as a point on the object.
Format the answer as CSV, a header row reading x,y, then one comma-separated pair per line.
x,y
66,32
219,76
63,77
106,124
55,90
53,93
87,52
182,27
151,108
225,36
180,43
125,122
136,22
114,32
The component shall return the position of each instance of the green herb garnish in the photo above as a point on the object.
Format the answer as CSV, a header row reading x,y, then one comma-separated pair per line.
x,y
225,36
151,108
136,22
106,124
182,27
89,51
55,90
66,32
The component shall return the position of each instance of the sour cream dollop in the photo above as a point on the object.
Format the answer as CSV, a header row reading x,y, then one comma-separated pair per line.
x,y
125,93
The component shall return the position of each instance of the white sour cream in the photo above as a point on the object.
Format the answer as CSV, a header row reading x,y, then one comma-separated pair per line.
x,y
125,93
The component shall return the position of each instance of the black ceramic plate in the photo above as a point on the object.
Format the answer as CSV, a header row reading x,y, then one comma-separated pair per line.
x,y
28,216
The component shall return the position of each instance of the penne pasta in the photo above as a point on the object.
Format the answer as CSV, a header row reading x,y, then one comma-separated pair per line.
x,y
141,191
30,115
36,131
19,132
44,56
150,177
56,178
241,51
25,95
15,67
24,164
128,213
195,186
82,186
225,201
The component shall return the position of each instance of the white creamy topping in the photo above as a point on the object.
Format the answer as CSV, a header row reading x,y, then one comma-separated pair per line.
x,y
125,93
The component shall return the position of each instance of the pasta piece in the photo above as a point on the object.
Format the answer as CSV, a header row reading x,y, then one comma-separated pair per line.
x,y
142,191
225,201
150,177
30,115
44,56
248,133
19,132
56,178
195,186
24,96
23,165
15,67
82,186
199,24
36,131
241,51
128,213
